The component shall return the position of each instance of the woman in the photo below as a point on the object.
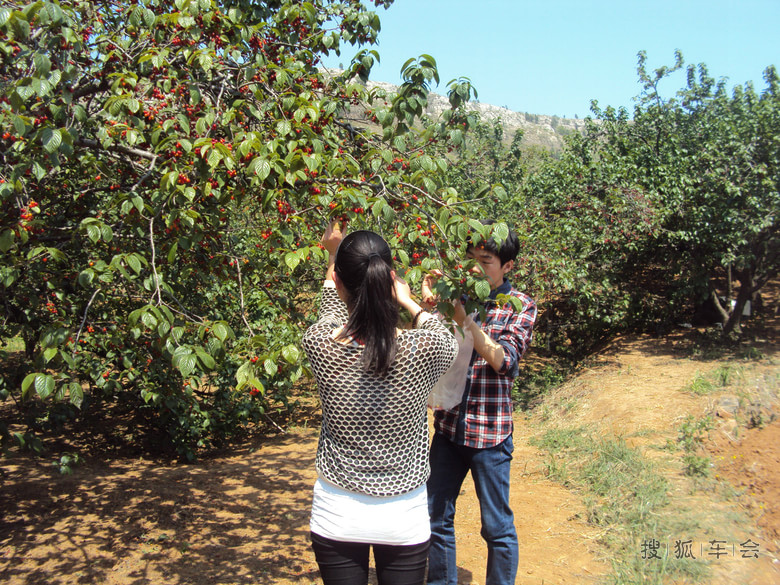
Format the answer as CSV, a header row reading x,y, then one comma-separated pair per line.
x,y
373,380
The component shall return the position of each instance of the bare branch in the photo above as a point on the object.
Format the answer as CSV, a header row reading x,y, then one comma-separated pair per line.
x,y
95,145
241,296
84,319
154,260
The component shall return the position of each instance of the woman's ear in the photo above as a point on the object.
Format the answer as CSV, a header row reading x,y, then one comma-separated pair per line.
x,y
340,290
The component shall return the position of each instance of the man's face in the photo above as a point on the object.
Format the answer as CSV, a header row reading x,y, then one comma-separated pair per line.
x,y
490,265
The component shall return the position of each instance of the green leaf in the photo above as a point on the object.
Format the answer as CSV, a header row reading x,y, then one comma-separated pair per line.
x,y
86,277
38,171
93,231
292,260
244,373
134,262
426,162
214,157
283,128
27,383
149,18
76,394
6,240
482,288
291,353
221,330
44,385
177,333
270,367
163,328
205,61
187,364
136,15
8,276
42,64
260,167
500,232
478,227
51,139
148,319
205,359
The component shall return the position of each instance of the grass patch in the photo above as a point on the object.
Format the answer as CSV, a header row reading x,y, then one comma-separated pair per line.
x,y
700,385
627,496
12,345
725,376
691,439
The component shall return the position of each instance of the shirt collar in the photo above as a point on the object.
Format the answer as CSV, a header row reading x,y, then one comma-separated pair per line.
x,y
502,289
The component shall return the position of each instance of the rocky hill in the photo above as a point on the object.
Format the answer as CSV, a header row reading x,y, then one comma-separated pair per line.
x,y
538,130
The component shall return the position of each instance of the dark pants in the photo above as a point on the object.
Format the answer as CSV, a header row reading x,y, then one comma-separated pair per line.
x,y
450,463
346,563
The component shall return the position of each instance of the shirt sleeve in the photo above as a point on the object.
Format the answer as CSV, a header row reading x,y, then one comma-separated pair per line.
x,y
447,345
515,335
332,308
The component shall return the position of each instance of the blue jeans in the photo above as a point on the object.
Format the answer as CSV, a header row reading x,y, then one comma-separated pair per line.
x,y
490,471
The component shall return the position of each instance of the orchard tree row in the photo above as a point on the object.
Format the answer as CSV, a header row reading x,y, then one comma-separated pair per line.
x,y
647,217
167,170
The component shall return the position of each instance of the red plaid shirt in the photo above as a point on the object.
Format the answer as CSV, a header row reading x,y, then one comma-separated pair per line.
x,y
484,416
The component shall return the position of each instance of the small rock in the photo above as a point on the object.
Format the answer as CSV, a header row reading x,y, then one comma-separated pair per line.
x,y
727,407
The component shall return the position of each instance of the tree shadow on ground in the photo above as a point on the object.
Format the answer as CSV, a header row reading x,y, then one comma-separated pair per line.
x,y
239,519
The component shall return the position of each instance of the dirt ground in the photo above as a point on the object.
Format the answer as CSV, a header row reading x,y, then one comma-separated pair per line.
x,y
241,516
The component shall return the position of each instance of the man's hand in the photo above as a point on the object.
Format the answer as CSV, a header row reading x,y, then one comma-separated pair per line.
x,y
460,312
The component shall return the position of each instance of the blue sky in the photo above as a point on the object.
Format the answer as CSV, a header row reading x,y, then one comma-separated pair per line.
x,y
554,56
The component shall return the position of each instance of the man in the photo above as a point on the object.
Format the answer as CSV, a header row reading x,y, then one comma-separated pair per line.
x,y
476,435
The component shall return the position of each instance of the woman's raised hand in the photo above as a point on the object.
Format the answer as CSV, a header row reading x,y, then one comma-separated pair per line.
x,y
429,298
332,237
403,293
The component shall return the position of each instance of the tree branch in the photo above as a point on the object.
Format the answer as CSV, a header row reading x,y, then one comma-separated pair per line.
x,y
84,319
241,296
154,268
95,145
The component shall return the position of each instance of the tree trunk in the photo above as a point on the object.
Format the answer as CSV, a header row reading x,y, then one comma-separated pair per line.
x,y
722,311
745,293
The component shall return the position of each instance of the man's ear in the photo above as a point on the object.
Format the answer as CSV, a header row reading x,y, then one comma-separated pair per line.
x,y
508,266
337,281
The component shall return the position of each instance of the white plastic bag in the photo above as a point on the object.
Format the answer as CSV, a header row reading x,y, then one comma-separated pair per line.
x,y
448,391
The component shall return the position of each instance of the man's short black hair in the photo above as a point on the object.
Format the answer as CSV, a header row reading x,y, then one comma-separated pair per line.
x,y
508,249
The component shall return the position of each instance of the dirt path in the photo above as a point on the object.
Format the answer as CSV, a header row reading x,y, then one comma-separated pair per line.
x,y
237,519
242,517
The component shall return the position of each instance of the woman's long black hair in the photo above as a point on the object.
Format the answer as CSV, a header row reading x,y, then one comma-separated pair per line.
x,y
363,265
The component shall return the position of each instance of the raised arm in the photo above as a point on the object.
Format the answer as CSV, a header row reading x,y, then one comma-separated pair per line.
x,y
331,240
403,295
332,306
486,347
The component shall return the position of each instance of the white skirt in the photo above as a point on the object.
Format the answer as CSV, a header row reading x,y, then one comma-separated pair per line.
x,y
347,516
